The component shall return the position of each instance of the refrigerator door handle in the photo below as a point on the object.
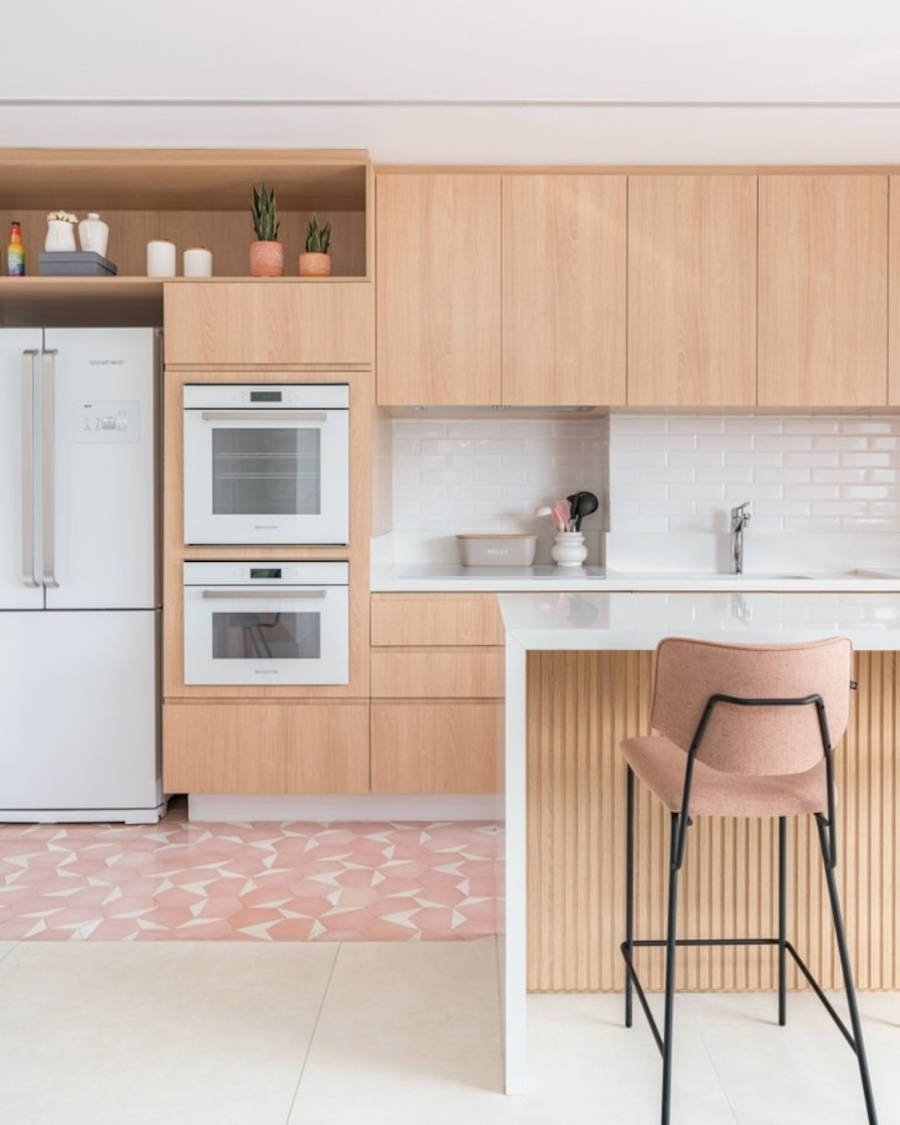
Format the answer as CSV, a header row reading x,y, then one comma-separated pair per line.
x,y
30,575
48,445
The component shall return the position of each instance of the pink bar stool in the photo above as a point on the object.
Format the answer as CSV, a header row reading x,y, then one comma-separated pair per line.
x,y
744,731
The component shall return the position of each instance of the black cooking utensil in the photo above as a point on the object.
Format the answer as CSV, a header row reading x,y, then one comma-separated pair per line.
x,y
587,505
575,509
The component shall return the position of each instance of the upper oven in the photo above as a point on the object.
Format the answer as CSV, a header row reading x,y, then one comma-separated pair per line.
x,y
267,463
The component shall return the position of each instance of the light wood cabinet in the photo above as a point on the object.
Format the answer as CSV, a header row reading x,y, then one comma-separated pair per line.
x,y
448,747
279,322
437,685
692,290
823,290
266,747
438,288
430,673
436,619
564,268
894,293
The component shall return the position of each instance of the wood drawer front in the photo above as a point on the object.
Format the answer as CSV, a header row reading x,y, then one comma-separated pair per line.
x,y
266,748
435,673
436,747
251,322
436,619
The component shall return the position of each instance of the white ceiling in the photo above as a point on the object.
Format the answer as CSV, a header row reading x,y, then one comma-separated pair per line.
x,y
151,73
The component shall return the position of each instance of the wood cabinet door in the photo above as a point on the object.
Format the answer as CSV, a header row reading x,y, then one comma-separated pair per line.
x,y
823,290
447,747
564,239
894,294
298,323
438,289
692,290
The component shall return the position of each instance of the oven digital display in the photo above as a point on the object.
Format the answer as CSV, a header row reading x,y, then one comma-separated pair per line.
x,y
265,571
265,396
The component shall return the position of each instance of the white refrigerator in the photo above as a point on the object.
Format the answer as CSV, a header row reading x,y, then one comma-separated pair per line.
x,y
79,587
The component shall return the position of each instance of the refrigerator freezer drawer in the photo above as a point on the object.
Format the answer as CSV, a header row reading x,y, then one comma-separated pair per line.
x,y
79,702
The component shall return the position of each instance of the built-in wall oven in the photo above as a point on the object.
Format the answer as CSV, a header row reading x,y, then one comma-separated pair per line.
x,y
266,623
266,463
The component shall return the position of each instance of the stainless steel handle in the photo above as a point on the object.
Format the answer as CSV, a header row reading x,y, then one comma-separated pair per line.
x,y
48,464
273,593
263,415
29,572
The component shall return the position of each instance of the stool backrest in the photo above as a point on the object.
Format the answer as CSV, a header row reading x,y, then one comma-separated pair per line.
x,y
752,740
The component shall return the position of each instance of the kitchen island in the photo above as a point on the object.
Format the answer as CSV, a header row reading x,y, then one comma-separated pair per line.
x,y
578,679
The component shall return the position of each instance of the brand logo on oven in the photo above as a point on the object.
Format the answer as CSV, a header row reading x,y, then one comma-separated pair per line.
x,y
106,363
265,671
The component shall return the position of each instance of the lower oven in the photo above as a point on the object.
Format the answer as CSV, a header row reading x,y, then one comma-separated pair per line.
x,y
266,623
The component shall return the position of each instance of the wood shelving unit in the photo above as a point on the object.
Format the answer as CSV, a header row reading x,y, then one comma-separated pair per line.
x,y
194,197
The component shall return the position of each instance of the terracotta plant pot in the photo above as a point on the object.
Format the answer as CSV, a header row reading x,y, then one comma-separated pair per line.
x,y
266,259
315,265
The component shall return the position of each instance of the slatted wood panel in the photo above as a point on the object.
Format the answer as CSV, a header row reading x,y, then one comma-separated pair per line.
x,y
580,706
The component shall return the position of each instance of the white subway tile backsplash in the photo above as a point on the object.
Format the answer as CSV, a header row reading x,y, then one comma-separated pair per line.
x,y
807,475
484,474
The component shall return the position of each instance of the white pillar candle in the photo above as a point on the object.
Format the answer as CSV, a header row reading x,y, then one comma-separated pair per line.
x,y
160,258
198,262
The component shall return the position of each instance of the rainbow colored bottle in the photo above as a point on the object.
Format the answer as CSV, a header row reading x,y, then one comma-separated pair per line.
x,y
15,251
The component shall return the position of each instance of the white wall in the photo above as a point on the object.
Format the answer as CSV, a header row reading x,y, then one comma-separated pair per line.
x,y
704,52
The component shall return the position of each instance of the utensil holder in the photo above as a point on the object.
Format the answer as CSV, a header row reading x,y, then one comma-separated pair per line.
x,y
569,549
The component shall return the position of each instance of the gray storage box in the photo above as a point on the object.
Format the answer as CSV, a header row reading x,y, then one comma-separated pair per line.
x,y
74,263
497,550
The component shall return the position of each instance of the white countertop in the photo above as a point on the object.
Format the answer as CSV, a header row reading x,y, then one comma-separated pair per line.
x,y
609,621
400,577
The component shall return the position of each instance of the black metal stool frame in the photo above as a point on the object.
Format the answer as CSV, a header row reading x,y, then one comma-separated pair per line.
x,y
680,823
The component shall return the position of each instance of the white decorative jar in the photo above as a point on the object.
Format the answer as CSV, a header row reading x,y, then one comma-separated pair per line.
x,y
93,234
160,258
569,549
198,262
60,236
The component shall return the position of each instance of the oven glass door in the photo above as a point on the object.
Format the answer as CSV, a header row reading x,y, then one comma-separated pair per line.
x,y
276,635
266,476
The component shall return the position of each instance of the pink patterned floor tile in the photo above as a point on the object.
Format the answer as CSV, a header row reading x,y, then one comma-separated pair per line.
x,y
179,881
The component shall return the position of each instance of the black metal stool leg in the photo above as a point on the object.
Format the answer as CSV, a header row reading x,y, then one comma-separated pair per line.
x,y
670,972
629,895
846,968
782,921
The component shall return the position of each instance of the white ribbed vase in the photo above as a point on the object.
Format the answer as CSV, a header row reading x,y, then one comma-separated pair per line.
x,y
569,549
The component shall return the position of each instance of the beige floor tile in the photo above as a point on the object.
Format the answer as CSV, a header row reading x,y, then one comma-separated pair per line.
x,y
804,1072
412,1033
125,1034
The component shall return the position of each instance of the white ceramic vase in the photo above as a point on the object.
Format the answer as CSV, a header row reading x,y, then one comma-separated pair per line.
x,y
569,549
60,236
93,234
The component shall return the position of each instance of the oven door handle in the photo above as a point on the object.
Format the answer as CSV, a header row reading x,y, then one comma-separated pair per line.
x,y
264,416
275,594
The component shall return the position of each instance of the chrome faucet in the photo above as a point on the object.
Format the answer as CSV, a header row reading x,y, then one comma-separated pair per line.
x,y
740,517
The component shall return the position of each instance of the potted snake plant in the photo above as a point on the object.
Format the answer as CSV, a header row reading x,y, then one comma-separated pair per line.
x,y
315,261
266,253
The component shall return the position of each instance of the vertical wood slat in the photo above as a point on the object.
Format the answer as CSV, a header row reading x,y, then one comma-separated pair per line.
x,y
580,706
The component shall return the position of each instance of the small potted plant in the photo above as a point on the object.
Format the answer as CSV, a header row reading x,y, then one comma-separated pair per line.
x,y
266,253
315,261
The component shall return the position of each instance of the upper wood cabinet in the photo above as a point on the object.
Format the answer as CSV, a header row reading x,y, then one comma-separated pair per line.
x,y
894,294
300,323
823,290
564,239
438,288
692,290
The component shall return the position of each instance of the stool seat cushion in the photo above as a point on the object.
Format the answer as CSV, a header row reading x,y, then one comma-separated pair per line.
x,y
660,765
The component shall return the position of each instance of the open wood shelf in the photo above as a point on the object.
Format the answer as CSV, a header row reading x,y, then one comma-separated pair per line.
x,y
106,301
